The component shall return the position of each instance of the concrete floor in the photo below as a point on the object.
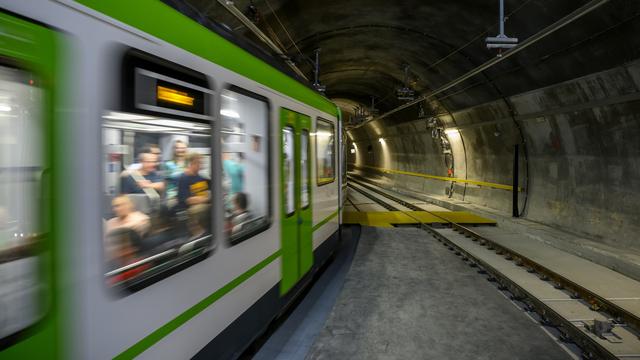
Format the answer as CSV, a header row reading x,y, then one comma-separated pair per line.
x,y
407,297
292,339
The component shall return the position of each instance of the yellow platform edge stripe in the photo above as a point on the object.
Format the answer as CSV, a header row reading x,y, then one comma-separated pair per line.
x,y
442,178
387,218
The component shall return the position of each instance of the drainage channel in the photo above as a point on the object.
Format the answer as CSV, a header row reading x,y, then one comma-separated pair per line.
x,y
602,329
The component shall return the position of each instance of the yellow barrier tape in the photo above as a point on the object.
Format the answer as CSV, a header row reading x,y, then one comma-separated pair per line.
x,y
443,178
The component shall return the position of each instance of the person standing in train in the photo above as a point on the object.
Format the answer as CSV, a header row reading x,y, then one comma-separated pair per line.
x,y
234,168
193,189
175,167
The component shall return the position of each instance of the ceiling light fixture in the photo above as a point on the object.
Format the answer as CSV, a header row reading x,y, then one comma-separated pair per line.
x,y
112,115
229,113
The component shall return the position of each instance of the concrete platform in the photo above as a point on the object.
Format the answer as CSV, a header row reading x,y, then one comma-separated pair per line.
x,y
407,297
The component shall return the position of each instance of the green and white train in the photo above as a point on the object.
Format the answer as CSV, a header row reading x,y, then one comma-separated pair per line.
x,y
164,194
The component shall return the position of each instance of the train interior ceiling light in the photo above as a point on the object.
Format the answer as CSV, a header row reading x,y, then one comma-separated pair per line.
x,y
150,123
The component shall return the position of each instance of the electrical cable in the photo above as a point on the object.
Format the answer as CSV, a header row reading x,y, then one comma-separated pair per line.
x,y
286,32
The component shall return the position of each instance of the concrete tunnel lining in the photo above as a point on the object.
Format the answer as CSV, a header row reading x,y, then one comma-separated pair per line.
x,y
571,100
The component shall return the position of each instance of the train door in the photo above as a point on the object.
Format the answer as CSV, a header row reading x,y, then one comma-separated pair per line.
x,y
295,173
27,256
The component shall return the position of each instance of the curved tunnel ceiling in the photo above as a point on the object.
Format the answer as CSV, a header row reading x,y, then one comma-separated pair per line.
x,y
365,45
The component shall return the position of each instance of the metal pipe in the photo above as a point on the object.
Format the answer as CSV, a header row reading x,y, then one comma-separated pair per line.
x,y
317,67
501,17
229,5
575,15
516,181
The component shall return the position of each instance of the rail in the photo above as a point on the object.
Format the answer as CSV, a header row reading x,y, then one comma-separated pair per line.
x,y
591,348
443,178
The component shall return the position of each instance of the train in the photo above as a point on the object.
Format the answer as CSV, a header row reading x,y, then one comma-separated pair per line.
x,y
164,192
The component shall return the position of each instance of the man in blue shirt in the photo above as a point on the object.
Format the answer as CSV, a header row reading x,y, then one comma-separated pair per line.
x,y
144,180
193,189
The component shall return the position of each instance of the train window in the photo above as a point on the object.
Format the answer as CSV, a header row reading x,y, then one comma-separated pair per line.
x,y
325,151
157,192
343,158
22,184
304,168
245,163
288,164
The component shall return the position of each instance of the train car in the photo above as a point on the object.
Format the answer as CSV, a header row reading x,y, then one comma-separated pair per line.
x,y
164,194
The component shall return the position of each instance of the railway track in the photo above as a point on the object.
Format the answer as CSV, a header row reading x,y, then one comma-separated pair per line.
x,y
601,328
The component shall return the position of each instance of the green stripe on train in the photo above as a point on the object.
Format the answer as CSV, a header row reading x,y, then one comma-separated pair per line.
x,y
326,220
162,21
190,313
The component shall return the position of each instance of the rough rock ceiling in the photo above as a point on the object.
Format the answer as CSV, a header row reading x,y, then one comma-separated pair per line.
x,y
366,43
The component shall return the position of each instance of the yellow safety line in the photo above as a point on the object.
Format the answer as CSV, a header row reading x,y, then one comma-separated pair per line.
x,y
443,178
386,218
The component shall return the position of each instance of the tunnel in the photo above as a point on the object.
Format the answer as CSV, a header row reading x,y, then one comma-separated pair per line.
x,y
306,179
566,107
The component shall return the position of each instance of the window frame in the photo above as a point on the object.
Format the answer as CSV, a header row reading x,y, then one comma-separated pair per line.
x,y
44,249
308,168
135,285
130,58
333,133
291,129
267,145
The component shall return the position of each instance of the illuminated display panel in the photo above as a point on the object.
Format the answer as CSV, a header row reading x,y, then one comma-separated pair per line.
x,y
157,87
174,96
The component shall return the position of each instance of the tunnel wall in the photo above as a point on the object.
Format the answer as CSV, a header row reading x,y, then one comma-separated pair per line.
x,y
407,147
582,140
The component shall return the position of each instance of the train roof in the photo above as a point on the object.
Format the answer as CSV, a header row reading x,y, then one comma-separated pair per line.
x,y
176,28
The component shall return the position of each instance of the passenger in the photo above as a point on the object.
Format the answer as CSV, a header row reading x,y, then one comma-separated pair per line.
x,y
193,189
240,212
124,253
178,163
144,180
175,167
160,232
234,168
155,150
198,222
149,149
126,216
